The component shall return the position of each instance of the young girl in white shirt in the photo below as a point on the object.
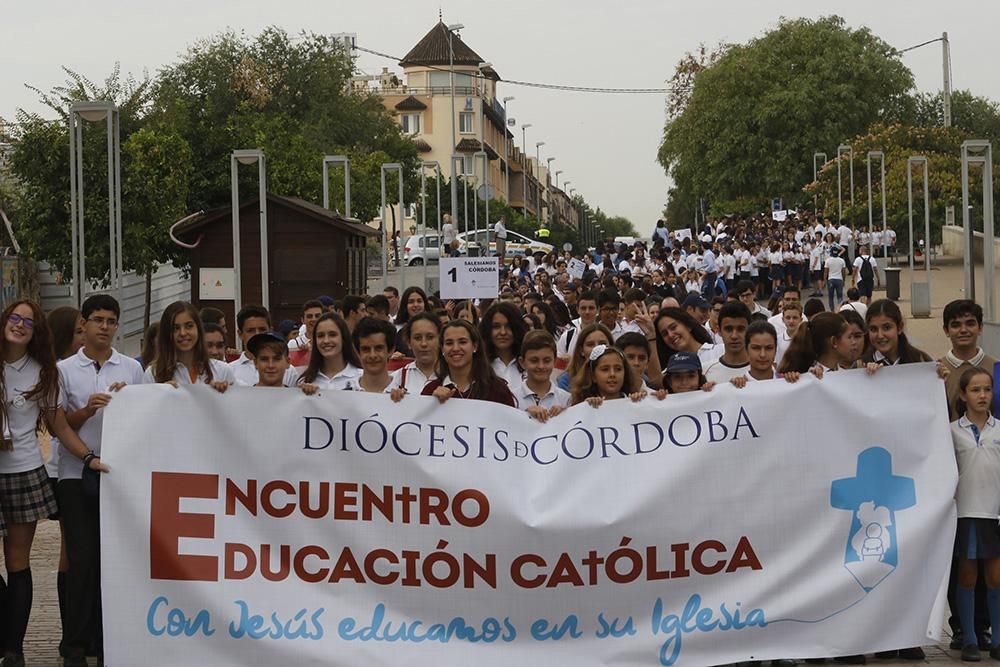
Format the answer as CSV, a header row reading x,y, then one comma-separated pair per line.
x,y
423,334
333,361
29,389
976,437
181,356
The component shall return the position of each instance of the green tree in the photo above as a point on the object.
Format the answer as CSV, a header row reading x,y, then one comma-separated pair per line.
x,y
40,164
940,145
156,164
756,115
978,117
290,97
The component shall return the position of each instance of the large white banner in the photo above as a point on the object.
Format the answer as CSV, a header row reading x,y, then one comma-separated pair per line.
x,y
265,527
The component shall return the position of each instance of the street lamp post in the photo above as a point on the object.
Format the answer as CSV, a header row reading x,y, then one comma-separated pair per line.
x,y
920,293
880,156
486,190
343,160
841,149
451,76
816,171
538,178
390,166
94,112
482,149
506,146
979,152
424,166
248,157
524,172
548,189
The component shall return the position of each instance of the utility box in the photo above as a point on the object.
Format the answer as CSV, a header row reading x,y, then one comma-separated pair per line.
x,y
920,299
892,283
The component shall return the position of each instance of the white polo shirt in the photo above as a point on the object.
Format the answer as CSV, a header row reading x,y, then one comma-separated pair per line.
x,y
20,378
354,384
338,381
245,372
719,371
411,378
221,372
750,378
978,468
79,378
778,322
510,372
528,399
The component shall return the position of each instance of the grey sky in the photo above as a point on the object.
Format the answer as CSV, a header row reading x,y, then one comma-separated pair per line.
x,y
605,144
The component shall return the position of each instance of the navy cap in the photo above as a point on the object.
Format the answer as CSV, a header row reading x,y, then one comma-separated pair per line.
x,y
327,301
287,326
684,362
267,337
696,300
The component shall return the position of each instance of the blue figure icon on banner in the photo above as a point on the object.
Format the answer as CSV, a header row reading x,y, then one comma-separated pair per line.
x,y
873,495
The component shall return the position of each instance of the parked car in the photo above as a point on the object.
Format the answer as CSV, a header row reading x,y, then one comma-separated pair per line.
x,y
517,244
420,248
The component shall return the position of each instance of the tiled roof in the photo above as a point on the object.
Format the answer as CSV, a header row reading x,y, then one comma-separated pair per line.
x,y
433,50
410,103
472,146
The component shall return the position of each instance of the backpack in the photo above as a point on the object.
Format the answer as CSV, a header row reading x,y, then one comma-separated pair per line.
x,y
867,274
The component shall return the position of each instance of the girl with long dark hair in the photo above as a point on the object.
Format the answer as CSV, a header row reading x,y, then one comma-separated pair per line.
x,y
889,345
333,361
464,370
66,325
29,387
181,356
676,331
502,330
423,335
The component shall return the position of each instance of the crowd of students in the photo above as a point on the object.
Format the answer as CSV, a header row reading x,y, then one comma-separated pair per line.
x,y
621,331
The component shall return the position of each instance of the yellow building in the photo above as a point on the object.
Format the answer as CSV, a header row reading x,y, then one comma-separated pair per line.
x,y
471,121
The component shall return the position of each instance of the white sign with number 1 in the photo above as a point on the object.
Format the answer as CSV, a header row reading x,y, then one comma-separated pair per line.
x,y
470,277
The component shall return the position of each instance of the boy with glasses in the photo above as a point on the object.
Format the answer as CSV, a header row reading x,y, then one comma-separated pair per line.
x,y
88,380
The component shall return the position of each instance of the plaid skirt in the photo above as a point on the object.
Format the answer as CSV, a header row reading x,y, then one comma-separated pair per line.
x,y
25,497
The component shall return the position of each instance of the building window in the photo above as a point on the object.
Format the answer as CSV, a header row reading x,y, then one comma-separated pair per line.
x,y
410,122
442,81
466,122
468,165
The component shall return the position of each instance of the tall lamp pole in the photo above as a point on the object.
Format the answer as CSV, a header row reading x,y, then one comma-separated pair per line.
x,y
548,189
248,157
841,149
524,172
538,178
506,154
95,112
451,75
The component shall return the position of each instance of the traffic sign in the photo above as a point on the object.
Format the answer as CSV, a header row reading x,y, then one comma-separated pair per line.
x,y
470,277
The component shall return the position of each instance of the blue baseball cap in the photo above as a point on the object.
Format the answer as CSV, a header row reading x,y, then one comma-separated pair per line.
x,y
684,362
267,337
696,300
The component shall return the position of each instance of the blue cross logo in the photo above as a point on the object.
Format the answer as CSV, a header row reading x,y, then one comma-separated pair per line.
x,y
873,496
